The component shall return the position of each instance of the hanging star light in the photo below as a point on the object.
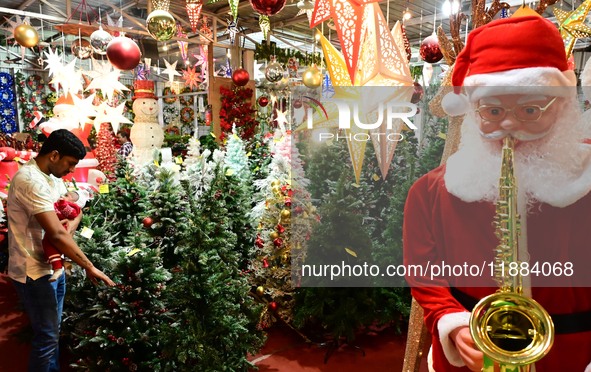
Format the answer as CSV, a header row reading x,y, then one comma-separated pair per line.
x,y
202,60
53,61
118,23
14,24
337,69
170,70
113,115
233,8
281,119
381,62
191,77
69,78
232,30
142,71
105,78
348,18
193,11
84,109
572,25
383,65
183,45
265,25
225,70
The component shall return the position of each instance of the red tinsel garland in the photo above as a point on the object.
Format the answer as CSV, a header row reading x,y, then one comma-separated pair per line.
x,y
237,109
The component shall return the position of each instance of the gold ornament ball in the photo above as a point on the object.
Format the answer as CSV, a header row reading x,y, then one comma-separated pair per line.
x,y
26,35
260,290
275,183
286,213
161,25
312,77
274,235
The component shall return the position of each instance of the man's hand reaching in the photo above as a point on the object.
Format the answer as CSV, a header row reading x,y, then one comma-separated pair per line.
x,y
95,275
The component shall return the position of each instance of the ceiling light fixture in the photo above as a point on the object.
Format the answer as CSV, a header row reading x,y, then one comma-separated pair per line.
x,y
407,14
450,7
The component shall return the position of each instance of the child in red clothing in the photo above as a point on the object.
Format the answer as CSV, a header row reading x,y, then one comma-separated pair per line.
x,y
66,209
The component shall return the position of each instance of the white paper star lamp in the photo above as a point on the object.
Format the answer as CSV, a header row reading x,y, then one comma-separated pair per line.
x,y
113,115
170,70
106,79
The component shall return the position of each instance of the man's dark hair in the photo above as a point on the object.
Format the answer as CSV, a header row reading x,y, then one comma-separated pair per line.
x,y
124,133
64,142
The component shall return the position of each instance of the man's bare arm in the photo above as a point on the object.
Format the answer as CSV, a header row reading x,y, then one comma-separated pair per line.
x,y
60,238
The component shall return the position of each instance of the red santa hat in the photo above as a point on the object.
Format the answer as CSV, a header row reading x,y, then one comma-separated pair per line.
x,y
499,58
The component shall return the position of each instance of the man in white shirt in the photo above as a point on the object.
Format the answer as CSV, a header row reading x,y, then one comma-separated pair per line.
x,y
31,217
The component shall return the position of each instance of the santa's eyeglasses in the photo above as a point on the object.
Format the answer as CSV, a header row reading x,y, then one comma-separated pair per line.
x,y
525,112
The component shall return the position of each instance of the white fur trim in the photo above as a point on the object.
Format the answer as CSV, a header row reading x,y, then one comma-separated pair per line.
x,y
445,326
588,369
586,79
455,104
430,360
534,80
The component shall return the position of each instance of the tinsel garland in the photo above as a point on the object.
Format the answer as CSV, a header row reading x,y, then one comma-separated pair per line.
x,y
7,110
264,52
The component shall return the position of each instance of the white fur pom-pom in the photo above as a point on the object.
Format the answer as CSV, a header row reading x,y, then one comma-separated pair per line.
x,y
586,80
455,104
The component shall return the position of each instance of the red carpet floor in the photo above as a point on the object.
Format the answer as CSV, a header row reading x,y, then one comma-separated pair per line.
x,y
285,350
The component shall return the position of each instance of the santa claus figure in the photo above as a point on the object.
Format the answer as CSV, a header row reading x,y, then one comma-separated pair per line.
x,y
528,94
146,133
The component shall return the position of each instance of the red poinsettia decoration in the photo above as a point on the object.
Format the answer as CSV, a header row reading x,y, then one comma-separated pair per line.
x,y
237,109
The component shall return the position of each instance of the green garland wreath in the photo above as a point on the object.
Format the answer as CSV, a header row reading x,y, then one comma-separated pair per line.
x,y
187,115
186,100
167,91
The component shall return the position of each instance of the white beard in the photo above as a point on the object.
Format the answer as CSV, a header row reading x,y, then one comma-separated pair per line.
x,y
555,169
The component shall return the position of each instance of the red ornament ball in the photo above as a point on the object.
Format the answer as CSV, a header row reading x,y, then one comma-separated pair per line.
x,y
123,53
267,7
430,51
148,221
263,101
240,77
273,306
297,103
417,94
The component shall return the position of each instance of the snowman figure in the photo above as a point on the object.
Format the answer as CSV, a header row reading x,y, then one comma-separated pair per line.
x,y
146,133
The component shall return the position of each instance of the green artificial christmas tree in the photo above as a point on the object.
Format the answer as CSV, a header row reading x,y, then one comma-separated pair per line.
x,y
166,206
236,159
215,318
285,217
123,197
120,330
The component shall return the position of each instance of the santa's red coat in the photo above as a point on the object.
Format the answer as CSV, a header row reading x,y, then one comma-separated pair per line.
x,y
438,227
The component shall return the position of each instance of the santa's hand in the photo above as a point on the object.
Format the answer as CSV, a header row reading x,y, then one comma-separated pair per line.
x,y
473,357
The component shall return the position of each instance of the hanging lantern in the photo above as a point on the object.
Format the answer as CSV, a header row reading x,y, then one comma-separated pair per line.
x,y
26,35
99,40
161,25
312,77
240,77
267,7
123,53
81,48
193,11
274,71
430,51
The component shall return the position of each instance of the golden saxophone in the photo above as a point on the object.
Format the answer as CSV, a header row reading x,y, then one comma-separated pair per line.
x,y
510,329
